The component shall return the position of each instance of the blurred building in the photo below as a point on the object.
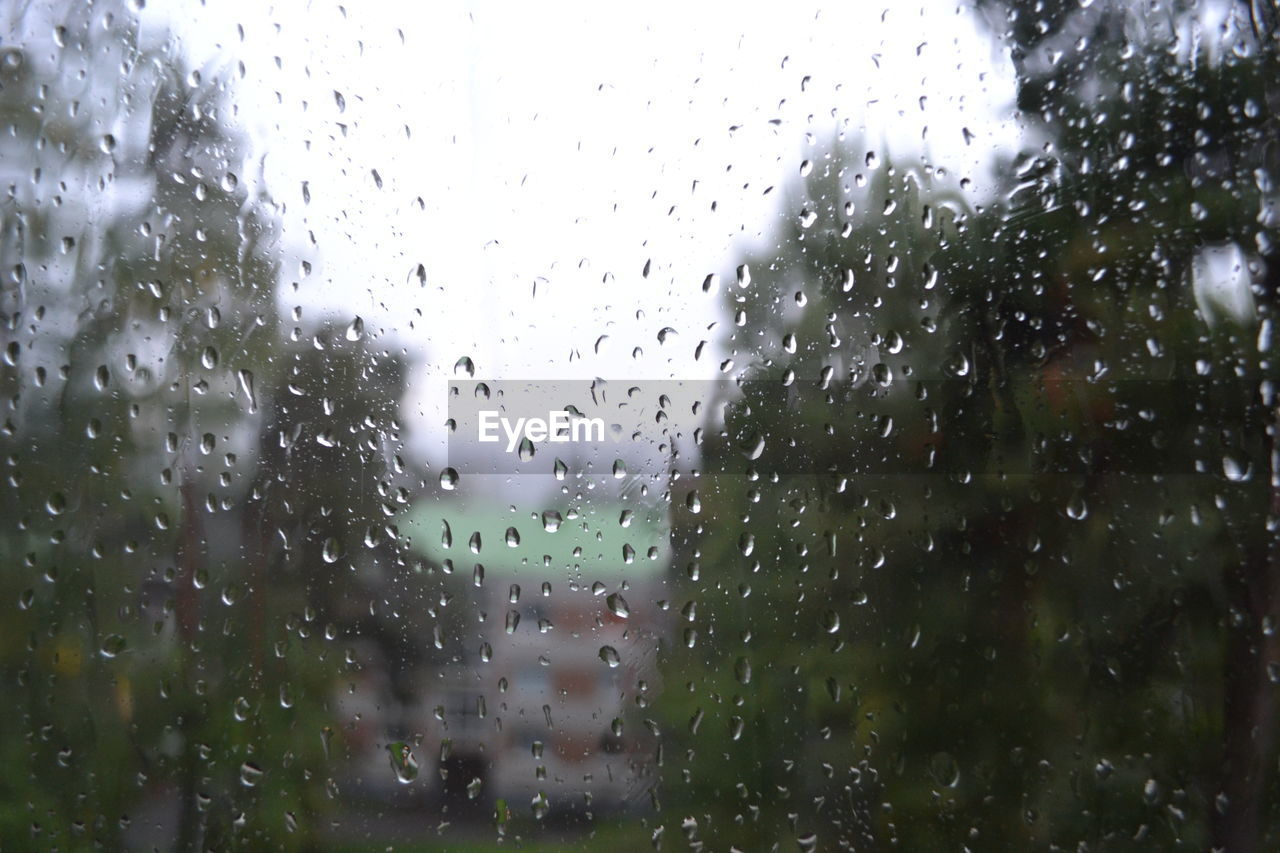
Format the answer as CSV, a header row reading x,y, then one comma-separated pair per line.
x,y
539,665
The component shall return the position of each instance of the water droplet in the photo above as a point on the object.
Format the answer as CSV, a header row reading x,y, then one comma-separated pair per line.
x,y
326,739
112,645
448,479
1236,468
541,805
250,774
403,762
618,605
355,331
944,769
957,365
609,655
246,386
752,447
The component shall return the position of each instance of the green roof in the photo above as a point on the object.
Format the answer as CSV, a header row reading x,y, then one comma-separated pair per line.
x,y
590,542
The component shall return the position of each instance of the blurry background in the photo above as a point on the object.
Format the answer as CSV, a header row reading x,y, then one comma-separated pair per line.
x,y
971,541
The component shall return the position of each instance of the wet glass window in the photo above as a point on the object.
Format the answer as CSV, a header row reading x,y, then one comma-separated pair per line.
x,y
476,427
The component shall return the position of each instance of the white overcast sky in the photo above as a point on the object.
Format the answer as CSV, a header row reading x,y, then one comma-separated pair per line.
x,y
549,145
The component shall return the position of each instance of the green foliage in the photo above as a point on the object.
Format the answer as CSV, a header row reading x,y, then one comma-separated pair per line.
x,y
991,517
170,667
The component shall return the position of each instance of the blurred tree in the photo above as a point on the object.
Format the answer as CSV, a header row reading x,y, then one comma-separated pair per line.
x,y
999,477
163,665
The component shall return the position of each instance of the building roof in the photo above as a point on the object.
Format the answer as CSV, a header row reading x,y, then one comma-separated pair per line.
x,y
597,543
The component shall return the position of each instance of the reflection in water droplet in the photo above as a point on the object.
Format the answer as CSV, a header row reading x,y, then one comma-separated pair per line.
x,y
250,774
112,645
541,805
355,331
245,378
944,769
618,605
1236,468
403,762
